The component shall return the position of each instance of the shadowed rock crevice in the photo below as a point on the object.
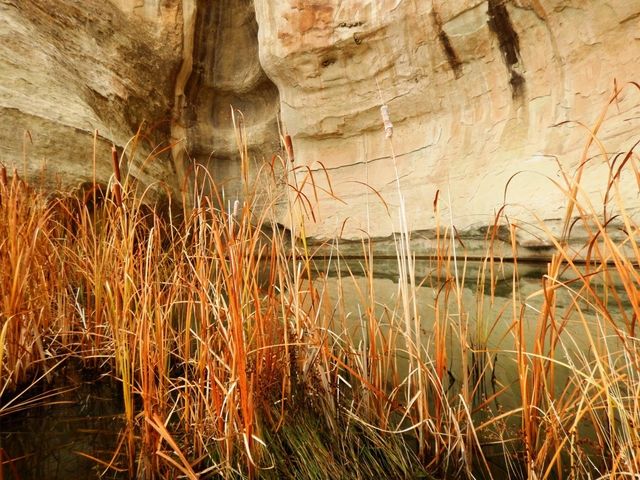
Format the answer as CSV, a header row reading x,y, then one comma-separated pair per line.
x,y
226,73
500,24
114,66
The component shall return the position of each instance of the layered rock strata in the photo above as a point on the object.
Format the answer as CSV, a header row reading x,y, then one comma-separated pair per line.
x,y
475,90
478,92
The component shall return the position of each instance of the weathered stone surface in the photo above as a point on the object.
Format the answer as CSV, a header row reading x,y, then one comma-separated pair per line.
x,y
225,72
70,68
171,67
473,87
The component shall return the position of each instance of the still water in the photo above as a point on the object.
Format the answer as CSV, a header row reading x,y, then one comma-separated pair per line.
x,y
48,441
489,318
85,419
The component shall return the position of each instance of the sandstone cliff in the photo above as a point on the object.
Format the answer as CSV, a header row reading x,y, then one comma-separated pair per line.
x,y
170,67
474,89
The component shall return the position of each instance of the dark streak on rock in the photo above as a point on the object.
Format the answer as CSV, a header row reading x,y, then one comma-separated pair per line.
x,y
204,51
450,53
452,57
500,24
517,83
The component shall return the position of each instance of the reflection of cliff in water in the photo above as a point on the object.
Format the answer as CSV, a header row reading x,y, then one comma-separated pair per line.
x,y
529,274
47,441
490,316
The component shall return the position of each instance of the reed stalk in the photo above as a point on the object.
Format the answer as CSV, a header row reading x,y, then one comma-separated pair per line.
x,y
238,346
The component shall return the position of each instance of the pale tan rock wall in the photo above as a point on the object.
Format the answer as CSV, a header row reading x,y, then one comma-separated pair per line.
x,y
473,88
70,68
173,68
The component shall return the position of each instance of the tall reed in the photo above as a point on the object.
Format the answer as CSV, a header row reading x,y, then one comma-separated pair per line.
x,y
32,284
236,344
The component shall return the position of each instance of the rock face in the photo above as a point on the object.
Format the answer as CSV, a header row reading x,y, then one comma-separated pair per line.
x,y
474,89
70,68
224,72
170,67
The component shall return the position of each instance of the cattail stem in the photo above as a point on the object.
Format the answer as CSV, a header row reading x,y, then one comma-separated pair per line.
x,y
3,180
289,146
116,171
388,126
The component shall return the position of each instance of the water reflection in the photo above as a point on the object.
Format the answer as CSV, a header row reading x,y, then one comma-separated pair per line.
x,y
490,307
47,442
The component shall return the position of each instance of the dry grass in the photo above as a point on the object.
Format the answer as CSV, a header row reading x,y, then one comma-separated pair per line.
x,y
233,361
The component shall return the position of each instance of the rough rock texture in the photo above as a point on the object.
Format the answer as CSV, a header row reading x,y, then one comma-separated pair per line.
x,y
171,67
473,88
70,68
